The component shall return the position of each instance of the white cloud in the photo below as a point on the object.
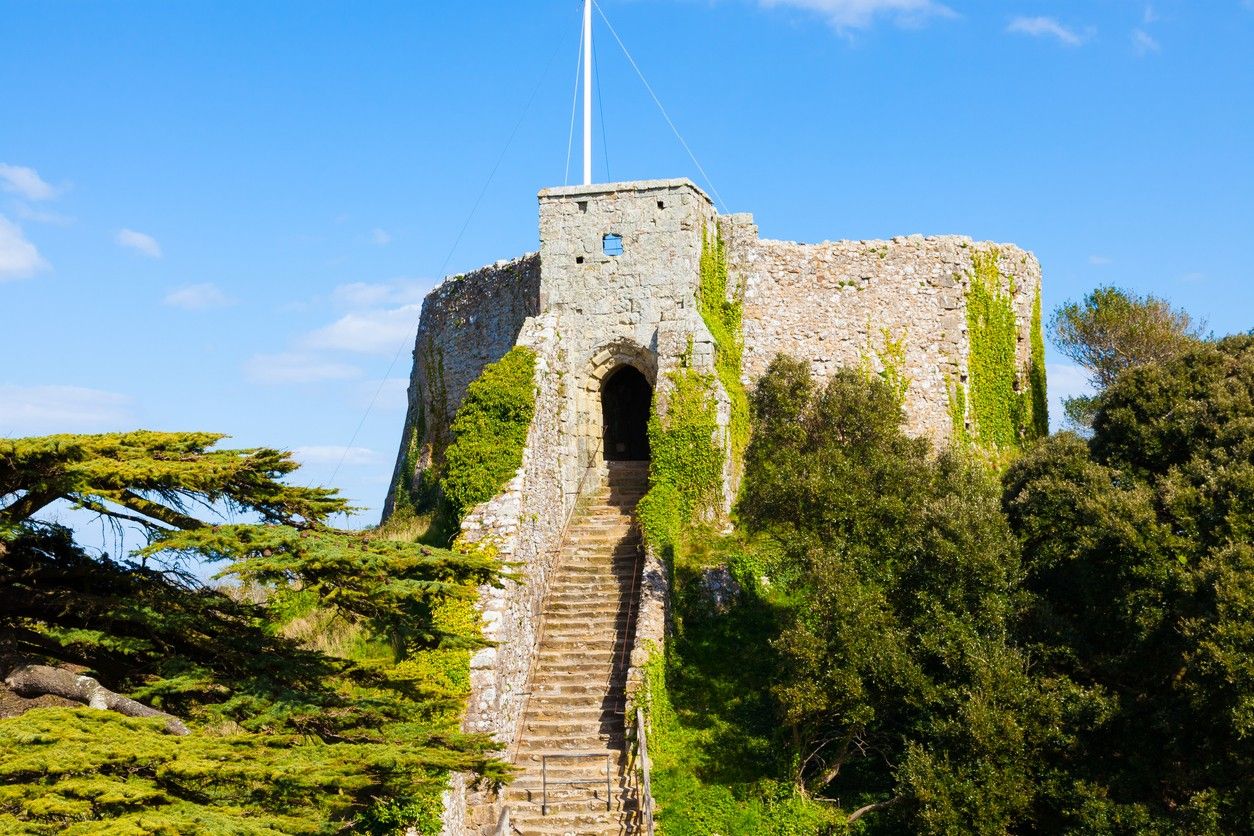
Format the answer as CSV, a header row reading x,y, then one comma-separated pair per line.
x,y
1100,260
19,259
25,182
369,331
139,242
368,295
42,410
1143,43
42,216
380,237
330,454
859,14
1149,16
1045,27
198,297
291,367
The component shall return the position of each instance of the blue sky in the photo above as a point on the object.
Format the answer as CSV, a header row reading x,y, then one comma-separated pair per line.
x,y
224,215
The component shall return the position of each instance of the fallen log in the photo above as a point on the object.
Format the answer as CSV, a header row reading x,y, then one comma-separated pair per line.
x,y
38,680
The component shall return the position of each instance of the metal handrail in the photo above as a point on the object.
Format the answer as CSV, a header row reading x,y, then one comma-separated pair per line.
x,y
642,763
544,779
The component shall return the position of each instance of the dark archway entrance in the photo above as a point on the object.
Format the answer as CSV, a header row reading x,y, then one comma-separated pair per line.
x,y
626,398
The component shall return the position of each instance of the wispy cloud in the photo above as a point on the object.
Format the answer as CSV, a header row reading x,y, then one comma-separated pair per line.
x,y
25,182
369,332
139,242
331,454
380,237
1100,260
859,14
19,258
295,367
198,297
41,410
373,294
1143,43
42,216
1046,27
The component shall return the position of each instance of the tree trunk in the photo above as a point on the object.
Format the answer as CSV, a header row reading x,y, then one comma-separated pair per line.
x,y
38,680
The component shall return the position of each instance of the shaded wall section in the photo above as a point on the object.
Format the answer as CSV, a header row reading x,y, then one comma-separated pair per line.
x,y
467,322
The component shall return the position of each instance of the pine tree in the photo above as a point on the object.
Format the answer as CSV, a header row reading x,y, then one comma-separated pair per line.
x,y
319,686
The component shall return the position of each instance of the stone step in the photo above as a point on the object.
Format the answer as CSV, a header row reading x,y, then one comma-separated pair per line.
x,y
591,642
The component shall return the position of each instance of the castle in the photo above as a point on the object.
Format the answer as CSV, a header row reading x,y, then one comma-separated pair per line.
x,y
610,305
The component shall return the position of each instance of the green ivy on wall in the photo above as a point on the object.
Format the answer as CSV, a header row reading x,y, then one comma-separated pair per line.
x,y
490,431
723,318
891,359
686,472
1003,417
1036,375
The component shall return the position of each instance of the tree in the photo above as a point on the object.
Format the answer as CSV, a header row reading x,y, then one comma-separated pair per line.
x,y
906,696
1139,554
283,736
1112,330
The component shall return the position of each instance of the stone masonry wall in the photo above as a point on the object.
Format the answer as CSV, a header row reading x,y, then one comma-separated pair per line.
x,y
467,322
831,303
638,308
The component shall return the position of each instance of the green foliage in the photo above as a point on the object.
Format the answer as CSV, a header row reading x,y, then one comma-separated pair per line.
x,y
1039,411
686,471
896,675
490,431
722,316
958,413
1002,416
891,359
720,762
1138,554
322,693
1112,330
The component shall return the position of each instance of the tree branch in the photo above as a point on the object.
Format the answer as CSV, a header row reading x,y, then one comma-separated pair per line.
x,y
872,808
38,680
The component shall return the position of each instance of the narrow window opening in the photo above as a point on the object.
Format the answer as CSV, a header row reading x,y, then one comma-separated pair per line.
x,y
612,244
583,206
661,204
579,259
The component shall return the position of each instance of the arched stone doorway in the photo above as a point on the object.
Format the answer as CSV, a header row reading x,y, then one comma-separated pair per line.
x,y
626,398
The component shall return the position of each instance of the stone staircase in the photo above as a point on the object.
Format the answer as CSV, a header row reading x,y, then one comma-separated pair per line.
x,y
572,728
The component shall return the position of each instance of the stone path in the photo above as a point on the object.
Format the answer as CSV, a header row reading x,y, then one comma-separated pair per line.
x,y
577,690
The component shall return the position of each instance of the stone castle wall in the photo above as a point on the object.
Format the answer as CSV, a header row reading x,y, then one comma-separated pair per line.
x,y
637,308
467,322
834,305
586,313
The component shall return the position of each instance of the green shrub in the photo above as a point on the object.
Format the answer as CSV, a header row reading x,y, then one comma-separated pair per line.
x,y
490,431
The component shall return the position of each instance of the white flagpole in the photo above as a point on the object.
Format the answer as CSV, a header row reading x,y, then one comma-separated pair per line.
x,y
587,93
